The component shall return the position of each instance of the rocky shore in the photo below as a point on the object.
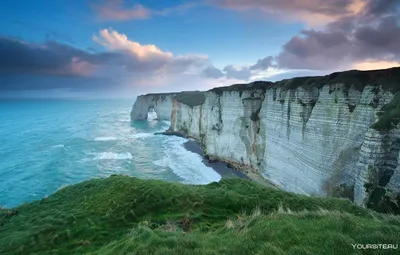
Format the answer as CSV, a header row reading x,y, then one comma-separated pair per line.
x,y
221,166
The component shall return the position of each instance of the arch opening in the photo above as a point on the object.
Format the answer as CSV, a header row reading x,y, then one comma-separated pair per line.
x,y
151,114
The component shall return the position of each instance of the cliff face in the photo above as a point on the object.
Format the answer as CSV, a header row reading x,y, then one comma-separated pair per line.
x,y
161,103
307,135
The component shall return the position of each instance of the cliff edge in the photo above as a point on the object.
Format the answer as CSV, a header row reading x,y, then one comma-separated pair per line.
x,y
334,135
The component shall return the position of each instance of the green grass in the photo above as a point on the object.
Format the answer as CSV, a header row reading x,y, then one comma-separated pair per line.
x,y
126,215
191,98
389,116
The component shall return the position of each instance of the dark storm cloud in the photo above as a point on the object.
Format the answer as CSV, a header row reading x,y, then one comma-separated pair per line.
x,y
381,7
385,36
372,34
50,58
123,58
314,50
122,64
53,65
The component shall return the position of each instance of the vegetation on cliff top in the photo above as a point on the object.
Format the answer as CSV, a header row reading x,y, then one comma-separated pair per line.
x,y
191,98
126,215
389,79
389,115
162,94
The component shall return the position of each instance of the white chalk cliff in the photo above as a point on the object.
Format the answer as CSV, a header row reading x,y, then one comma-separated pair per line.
x,y
160,103
307,135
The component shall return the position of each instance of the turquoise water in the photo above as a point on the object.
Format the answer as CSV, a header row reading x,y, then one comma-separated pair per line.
x,y
48,144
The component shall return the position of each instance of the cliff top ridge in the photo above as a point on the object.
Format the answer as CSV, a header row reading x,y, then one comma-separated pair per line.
x,y
389,79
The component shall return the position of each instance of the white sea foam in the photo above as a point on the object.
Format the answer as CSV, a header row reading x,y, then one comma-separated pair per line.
x,y
105,138
185,164
113,155
163,162
152,123
140,135
151,115
59,146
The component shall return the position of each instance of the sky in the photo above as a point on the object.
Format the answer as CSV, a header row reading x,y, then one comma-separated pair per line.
x,y
123,48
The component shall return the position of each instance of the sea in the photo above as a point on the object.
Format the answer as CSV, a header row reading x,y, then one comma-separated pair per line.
x,y
48,144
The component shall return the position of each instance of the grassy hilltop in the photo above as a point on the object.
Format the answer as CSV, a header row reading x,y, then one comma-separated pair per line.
x,y
126,215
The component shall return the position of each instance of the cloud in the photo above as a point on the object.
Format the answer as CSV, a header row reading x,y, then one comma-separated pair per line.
x,y
122,61
315,50
368,39
212,72
310,11
114,10
380,7
242,73
263,64
49,58
134,55
361,33
178,9
263,68
372,35
54,58
146,58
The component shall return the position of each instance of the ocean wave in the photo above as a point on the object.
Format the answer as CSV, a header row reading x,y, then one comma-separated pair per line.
x,y
105,138
113,155
165,125
163,162
140,135
152,123
59,146
152,115
185,164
